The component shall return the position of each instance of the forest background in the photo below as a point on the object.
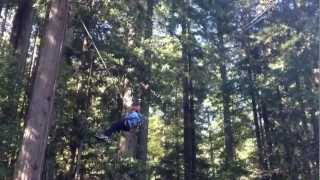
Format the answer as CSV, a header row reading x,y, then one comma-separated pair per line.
x,y
230,89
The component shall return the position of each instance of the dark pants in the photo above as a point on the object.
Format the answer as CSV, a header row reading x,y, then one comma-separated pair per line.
x,y
116,127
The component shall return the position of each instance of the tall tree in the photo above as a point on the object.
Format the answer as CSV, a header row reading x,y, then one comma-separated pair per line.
x,y
145,93
21,28
188,106
236,77
31,157
20,40
254,97
4,21
226,97
20,34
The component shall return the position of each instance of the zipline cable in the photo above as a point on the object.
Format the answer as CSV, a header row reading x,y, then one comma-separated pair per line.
x,y
246,27
259,17
145,86
94,44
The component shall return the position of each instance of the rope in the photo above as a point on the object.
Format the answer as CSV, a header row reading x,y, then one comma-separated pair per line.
x,y
258,18
94,44
145,86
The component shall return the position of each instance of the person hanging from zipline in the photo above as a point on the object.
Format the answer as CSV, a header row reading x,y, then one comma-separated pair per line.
x,y
131,120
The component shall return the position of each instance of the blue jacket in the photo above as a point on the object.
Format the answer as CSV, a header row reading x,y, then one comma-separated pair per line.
x,y
134,119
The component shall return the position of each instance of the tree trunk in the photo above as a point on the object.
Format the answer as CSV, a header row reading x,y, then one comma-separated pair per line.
x,y
188,114
3,23
133,144
20,35
142,148
128,142
28,74
21,28
268,132
315,157
257,127
177,149
49,165
302,106
306,133
77,173
229,138
36,57
289,147
228,132
31,157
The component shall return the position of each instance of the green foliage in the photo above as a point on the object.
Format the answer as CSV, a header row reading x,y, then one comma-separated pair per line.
x,y
10,131
274,63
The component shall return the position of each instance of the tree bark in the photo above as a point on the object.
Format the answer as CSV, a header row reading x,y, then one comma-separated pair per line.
x,y
253,92
28,74
229,137
31,157
315,157
188,112
314,103
142,148
128,142
77,173
3,23
21,28
289,146
19,40
268,132
257,128
49,165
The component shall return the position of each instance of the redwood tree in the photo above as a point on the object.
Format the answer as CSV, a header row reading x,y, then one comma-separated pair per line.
x,y
21,31
142,148
31,157
19,40
188,101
